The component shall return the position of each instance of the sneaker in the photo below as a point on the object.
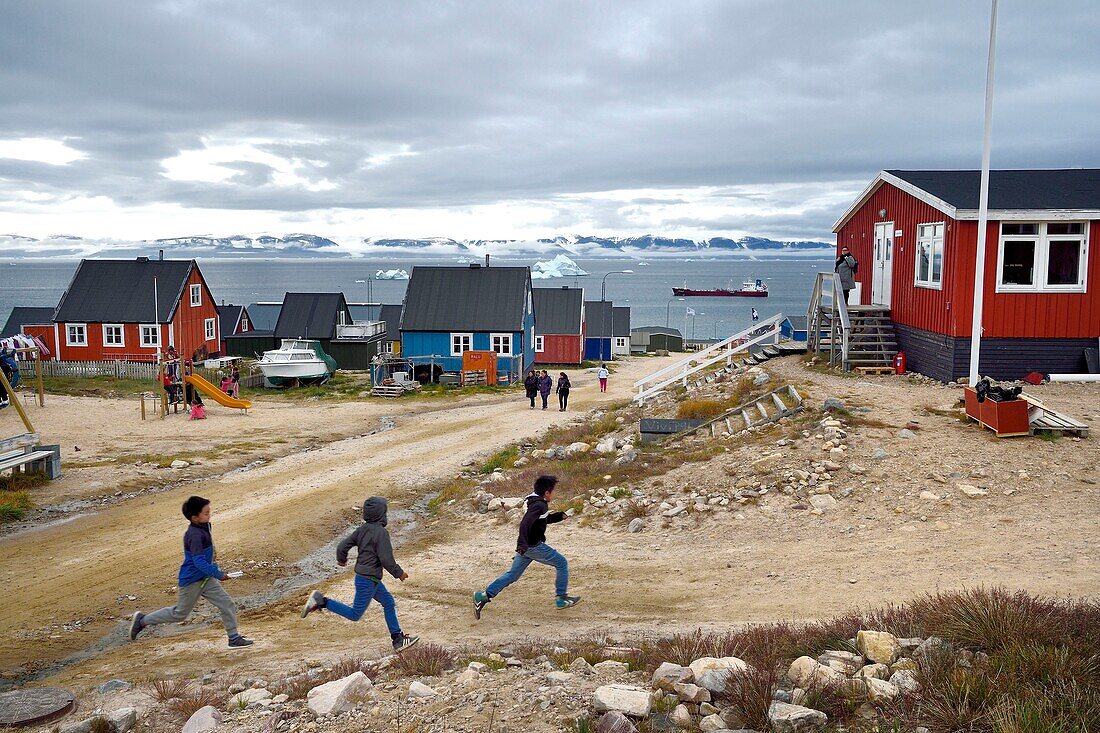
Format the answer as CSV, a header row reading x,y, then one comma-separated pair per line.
x,y
315,602
239,641
136,625
481,600
565,602
403,642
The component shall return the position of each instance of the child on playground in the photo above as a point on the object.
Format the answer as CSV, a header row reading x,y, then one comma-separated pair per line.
x,y
532,546
375,555
199,577
227,384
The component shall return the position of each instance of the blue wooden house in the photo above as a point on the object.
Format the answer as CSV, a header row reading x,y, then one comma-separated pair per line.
x,y
450,310
599,319
793,328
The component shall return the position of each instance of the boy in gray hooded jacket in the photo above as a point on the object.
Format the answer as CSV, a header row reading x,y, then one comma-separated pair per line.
x,y
375,554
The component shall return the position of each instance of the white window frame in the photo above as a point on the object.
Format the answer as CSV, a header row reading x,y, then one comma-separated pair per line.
x,y
210,329
387,347
540,344
504,338
243,322
621,342
196,295
931,240
146,343
1042,258
457,347
121,336
70,341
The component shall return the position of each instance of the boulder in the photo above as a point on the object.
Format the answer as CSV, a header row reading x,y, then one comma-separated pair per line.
x,y
688,692
881,691
478,667
878,646
466,676
557,677
580,665
906,434
627,457
339,696
832,403
807,672
786,718
712,723
420,691
905,681
627,699
248,697
615,722
909,665
607,445
668,675
713,675
179,464
637,524
930,646
113,686
844,662
124,719
970,491
575,449
822,501
203,720
611,668
511,502
681,717
877,671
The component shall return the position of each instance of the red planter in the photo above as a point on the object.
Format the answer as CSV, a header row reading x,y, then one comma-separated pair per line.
x,y
1006,419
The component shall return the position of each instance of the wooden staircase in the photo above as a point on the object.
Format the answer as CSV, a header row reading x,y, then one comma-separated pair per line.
x,y
871,337
768,408
851,336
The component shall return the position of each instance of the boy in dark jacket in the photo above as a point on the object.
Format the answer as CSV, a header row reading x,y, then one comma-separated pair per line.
x,y
532,546
375,555
199,576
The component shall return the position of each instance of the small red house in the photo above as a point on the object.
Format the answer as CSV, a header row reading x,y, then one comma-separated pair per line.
x,y
559,325
131,310
915,235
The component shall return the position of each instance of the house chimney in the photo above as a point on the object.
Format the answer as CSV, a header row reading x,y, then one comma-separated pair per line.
x,y
475,266
162,255
486,259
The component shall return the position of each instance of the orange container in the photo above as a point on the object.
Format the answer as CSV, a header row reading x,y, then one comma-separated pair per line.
x,y
481,361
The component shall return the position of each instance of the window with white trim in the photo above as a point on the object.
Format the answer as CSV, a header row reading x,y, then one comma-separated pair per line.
x,y
1042,257
196,295
461,343
76,334
112,335
150,336
540,342
209,326
929,269
620,342
501,343
387,347
244,322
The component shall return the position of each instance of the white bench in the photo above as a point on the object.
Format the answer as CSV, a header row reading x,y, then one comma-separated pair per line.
x,y
15,459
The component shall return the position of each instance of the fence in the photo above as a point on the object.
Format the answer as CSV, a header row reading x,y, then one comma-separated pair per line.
x,y
117,369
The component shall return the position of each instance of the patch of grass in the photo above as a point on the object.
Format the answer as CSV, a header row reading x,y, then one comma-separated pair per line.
x,y
502,459
165,690
621,493
104,386
749,693
1048,435
298,685
14,505
187,704
342,386
436,391
99,724
452,490
424,660
493,664
699,409
633,510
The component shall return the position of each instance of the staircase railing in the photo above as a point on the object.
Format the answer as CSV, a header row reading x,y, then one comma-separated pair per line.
x,y
679,371
828,313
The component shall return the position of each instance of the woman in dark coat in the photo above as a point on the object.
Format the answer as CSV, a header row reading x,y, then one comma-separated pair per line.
x,y
846,268
531,386
546,386
563,391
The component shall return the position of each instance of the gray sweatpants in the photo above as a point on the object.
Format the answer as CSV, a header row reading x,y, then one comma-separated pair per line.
x,y
188,597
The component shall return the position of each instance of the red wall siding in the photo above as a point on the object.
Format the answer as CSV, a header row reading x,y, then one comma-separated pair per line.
x,y
558,349
188,323
131,349
45,335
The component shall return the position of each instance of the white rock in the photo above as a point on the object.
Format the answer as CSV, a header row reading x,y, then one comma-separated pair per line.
x,y
637,524
712,672
420,691
203,720
878,646
611,668
668,675
787,718
844,662
881,690
339,696
580,665
674,511
248,697
627,699
557,677
808,672
822,501
904,680
688,692
478,667
123,719
878,671
681,717
466,676
511,502
179,464
712,723
577,448
929,496
972,492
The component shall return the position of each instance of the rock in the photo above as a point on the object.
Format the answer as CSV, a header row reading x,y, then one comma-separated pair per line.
x,y
606,446
558,677
467,676
906,434
627,457
881,691
113,686
970,491
929,496
878,646
931,645
761,379
611,668
879,455
511,502
636,525
877,671
905,663
339,696
575,449
712,673
420,691
478,667
615,722
787,718
905,681
280,699
668,675
580,665
674,511
688,692
494,504
681,717
179,464
627,699
520,463
807,672
712,723
124,719
843,662
247,697
832,403
203,720
822,501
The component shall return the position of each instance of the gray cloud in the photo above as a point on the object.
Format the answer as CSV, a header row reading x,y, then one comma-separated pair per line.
x,y
502,101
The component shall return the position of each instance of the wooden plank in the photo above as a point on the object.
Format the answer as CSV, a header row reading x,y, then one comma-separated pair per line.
x,y
25,458
875,370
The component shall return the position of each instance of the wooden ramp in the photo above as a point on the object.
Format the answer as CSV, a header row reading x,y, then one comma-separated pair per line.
x,y
768,408
1040,418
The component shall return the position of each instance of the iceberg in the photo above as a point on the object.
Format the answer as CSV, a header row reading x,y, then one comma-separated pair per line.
x,y
560,266
391,275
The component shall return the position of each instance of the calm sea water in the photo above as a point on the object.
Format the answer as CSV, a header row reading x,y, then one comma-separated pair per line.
x,y
648,291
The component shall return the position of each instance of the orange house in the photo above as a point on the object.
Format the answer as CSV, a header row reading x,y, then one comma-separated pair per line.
x,y
131,310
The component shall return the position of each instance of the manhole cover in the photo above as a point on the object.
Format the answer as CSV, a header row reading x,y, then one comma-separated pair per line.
x,y
34,705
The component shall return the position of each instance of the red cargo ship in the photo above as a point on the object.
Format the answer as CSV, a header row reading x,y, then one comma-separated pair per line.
x,y
756,289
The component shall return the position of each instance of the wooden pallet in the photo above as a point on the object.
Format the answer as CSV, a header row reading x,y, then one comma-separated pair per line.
x,y
875,370
385,390
1040,418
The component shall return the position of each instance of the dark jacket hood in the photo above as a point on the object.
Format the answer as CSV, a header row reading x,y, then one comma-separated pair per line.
x,y
374,510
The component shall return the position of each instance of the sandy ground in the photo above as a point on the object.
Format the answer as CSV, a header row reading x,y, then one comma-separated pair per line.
x,y
880,545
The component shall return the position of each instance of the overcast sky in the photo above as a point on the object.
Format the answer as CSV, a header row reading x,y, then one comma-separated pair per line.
x,y
515,119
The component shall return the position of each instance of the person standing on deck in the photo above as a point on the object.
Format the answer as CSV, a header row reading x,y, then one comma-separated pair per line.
x,y
846,268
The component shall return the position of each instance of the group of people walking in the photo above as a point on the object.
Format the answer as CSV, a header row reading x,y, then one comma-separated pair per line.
x,y
541,384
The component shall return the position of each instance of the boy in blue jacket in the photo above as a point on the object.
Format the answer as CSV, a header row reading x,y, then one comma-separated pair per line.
x,y
199,576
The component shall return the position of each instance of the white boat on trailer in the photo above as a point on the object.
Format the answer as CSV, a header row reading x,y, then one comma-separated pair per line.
x,y
301,361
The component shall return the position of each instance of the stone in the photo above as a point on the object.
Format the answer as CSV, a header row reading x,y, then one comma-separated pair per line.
x,y
575,449
787,718
712,723
606,446
929,646
688,692
668,675
203,720
419,691
339,696
674,511
877,671
580,665
113,686
681,717
970,491
627,457
557,677
637,524
247,697
478,667
879,455
832,403
712,673
906,434
466,676
878,646
807,672
843,662
822,501
627,699
881,691
611,668
615,722
179,464
905,681
280,699
929,496
512,502
905,663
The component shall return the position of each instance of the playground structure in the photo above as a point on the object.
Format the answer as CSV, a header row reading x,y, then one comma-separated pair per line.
x,y
25,452
173,369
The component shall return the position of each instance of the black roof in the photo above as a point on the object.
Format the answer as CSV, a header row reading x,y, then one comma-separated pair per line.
x,y
466,299
228,318
391,314
26,315
798,323
599,319
1072,188
558,310
657,329
311,315
121,291
264,316
365,311
620,320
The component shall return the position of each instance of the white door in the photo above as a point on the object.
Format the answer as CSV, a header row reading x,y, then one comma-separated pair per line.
x,y
882,273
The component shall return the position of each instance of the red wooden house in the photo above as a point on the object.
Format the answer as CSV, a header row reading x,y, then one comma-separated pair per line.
x,y
130,310
559,325
915,235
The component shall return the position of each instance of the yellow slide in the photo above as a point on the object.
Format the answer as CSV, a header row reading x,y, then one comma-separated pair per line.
x,y
214,393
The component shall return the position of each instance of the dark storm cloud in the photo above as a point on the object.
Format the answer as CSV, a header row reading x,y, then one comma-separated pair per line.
x,y
500,101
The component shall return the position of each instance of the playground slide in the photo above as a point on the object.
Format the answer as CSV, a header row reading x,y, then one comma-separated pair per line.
x,y
214,393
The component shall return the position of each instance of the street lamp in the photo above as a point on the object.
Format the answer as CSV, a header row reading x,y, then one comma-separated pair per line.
x,y
667,306
603,288
693,323
716,329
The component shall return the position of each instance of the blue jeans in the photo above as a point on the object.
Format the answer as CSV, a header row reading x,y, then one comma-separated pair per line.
x,y
365,591
542,553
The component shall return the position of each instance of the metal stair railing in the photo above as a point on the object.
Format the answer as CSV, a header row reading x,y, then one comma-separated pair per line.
x,y
828,309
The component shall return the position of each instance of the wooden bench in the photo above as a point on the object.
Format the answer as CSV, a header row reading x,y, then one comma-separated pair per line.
x,y
19,459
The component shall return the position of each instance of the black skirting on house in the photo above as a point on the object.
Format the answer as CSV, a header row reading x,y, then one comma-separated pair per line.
x,y
947,358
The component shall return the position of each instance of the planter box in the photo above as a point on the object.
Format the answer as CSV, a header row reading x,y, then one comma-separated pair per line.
x,y
1006,419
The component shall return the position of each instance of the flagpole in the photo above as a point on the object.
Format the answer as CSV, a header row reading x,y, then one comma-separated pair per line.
x,y
983,205
156,317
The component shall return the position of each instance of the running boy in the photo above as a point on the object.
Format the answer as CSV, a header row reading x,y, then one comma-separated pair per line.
x,y
375,554
532,546
199,576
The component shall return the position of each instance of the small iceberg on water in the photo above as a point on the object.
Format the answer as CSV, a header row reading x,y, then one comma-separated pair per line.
x,y
391,275
560,266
